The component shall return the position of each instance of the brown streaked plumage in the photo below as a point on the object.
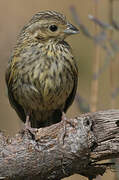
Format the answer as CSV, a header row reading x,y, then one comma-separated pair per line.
x,y
42,73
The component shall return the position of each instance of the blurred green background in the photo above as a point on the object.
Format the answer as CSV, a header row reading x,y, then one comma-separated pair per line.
x,y
14,14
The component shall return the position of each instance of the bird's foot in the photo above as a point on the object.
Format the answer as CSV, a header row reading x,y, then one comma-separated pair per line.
x,y
68,121
28,126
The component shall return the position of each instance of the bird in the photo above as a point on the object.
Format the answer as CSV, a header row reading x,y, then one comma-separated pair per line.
x,y
42,73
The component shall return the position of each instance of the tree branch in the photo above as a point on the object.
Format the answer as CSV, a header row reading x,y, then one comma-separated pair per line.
x,y
63,149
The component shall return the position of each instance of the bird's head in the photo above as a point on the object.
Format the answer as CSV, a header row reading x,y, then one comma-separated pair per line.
x,y
49,25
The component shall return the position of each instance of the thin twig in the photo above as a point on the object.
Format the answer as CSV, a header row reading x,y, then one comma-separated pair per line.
x,y
112,66
94,84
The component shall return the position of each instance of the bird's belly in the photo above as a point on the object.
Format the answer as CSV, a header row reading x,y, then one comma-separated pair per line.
x,y
55,96
56,90
49,94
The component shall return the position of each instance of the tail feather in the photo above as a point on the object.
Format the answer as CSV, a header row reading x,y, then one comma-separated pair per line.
x,y
45,119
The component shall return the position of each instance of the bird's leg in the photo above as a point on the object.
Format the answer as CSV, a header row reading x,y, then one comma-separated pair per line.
x,y
28,124
64,119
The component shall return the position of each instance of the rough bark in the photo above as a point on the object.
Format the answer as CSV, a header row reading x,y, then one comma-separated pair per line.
x,y
74,146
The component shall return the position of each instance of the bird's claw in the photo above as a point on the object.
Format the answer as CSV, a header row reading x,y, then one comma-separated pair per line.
x,y
28,126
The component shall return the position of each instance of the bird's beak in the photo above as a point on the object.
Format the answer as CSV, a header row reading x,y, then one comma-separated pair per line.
x,y
71,29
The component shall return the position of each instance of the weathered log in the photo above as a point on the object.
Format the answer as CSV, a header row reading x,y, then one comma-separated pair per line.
x,y
74,146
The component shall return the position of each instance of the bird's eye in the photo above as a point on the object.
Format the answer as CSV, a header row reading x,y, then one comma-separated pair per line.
x,y
53,28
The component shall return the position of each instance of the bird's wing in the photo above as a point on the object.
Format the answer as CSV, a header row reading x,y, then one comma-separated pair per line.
x,y
71,97
9,79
